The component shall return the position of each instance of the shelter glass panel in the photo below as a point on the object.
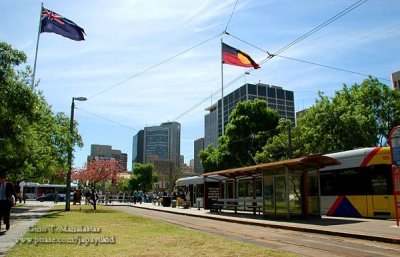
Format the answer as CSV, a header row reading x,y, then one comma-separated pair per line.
x,y
295,194
269,204
280,195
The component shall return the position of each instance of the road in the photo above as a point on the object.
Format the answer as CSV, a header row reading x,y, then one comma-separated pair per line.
x,y
300,243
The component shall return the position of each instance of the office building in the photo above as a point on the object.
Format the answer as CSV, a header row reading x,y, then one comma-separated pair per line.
x,y
198,146
105,152
277,98
162,142
210,126
138,148
396,80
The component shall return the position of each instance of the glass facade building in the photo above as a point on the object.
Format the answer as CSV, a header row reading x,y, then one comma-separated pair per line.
x,y
161,142
137,148
198,146
277,98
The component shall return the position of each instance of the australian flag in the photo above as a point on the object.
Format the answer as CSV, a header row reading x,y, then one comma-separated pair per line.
x,y
53,22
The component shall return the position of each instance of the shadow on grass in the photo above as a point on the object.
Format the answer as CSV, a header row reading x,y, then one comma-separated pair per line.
x,y
326,221
89,209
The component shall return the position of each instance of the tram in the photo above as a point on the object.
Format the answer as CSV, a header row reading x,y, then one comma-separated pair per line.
x,y
361,186
34,190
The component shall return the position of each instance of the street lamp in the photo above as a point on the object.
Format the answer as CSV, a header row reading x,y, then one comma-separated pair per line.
x,y
71,130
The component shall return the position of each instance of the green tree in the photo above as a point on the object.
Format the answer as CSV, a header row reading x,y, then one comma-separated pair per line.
x,y
142,178
33,140
250,125
356,116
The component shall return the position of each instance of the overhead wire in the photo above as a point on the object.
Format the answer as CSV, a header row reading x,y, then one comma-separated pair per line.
x,y
154,66
104,118
317,28
322,25
304,61
301,38
230,18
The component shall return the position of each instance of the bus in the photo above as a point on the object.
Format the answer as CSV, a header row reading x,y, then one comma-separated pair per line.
x,y
361,186
34,190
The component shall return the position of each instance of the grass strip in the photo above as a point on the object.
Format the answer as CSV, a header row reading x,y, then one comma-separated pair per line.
x,y
107,232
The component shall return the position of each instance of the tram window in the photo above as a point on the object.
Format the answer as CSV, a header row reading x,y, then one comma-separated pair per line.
x,y
352,182
328,181
380,180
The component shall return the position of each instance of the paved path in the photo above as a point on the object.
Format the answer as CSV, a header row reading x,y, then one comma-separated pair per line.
x,y
21,219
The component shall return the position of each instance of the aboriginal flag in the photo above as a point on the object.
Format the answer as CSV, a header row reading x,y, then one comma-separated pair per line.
x,y
53,22
233,56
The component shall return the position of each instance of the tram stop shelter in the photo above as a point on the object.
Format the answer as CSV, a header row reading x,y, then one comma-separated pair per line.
x,y
290,188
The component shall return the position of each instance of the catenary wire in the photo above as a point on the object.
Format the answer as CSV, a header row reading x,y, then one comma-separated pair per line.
x,y
304,61
104,118
154,66
304,36
230,18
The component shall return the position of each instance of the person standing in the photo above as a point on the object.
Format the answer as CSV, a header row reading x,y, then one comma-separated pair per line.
x,y
7,194
55,196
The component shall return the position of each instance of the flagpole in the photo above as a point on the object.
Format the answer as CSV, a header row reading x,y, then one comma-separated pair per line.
x,y
37,47
222,90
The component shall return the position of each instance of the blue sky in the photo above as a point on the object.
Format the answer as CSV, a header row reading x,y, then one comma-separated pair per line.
x,y
126,38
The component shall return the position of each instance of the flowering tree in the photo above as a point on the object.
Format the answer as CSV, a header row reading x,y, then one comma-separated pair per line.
x,y
98,171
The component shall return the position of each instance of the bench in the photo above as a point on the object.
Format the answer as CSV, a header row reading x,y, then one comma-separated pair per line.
x,y
254,207
243,204
216,207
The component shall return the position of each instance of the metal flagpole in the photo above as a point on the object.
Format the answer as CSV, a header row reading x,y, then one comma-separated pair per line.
x,y
222,90
37,47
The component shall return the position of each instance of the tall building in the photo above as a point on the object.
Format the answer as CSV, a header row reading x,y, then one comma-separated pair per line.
x,y
138,148
162,142
198,146
396,80
105,152
210,126
277,98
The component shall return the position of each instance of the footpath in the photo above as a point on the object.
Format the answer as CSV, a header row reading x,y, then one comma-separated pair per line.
x,y
381,230
22,218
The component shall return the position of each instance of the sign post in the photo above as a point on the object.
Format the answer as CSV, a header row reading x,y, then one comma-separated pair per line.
x,y
394,141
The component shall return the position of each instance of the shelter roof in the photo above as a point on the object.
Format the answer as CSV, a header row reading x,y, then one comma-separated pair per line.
x,y
303,163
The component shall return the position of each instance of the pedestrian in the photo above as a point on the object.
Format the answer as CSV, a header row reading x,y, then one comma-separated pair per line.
x,y
7,200
55,196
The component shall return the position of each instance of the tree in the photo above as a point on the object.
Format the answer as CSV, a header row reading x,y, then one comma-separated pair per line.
x,y
277,147
357,116
98,171
143,177
251,123
33,140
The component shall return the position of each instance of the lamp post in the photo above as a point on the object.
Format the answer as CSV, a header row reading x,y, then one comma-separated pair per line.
x,y
71,130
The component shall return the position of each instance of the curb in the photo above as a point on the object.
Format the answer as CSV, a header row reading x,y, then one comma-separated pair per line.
x,y
281,226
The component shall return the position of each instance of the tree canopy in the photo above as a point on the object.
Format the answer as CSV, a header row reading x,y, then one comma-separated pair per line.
x,y
34,141
98,171
356,116
143,177
250,125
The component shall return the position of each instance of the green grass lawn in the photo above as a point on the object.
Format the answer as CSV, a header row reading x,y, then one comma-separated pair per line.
x,y
107,232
